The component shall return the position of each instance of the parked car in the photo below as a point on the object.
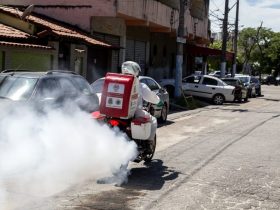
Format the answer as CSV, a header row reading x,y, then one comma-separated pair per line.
x,y
47,88
159,112
271,80
215,74
208,87
257,83
247,81
241,92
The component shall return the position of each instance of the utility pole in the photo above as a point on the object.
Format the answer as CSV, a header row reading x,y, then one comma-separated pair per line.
x,y
233,72
224,44
180,50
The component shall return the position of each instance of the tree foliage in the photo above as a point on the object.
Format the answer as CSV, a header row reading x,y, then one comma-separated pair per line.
x,y
260,48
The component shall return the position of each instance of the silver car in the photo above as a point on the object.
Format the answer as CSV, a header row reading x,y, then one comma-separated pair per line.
x,y
160,112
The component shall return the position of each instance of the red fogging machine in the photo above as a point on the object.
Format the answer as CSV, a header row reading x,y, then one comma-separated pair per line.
x,y
119,101
119,96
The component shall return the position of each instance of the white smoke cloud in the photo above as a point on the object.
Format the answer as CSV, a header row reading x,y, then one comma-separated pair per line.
x,y
42,153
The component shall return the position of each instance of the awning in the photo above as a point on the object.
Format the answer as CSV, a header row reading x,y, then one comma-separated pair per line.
x,y
199,51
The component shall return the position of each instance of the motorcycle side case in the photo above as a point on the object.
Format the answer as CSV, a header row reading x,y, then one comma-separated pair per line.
x,y
141,128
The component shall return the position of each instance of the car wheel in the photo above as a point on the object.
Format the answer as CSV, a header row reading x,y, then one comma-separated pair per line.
x,y
254,94
218,99
259,92
239,99
250,93
163,116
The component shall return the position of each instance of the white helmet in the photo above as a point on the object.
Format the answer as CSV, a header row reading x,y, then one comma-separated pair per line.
x,y
131,67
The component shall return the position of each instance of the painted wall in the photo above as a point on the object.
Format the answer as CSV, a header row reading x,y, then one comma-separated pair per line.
x,y
31,60
79,16
162,56
150,11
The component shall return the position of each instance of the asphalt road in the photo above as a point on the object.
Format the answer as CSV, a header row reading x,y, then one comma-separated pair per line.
x,y
216,157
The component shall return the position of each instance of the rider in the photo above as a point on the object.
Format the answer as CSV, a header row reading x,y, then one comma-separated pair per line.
x,y
145,93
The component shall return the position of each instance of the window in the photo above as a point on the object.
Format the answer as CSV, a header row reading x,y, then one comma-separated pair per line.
x,y
67,86
48,88
244,79
17,88
209,81
82,85
231,82
97,86
192,79
152,84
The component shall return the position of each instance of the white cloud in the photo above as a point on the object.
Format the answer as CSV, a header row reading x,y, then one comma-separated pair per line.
x,y
251,14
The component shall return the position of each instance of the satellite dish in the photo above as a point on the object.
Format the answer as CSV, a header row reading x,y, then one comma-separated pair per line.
x,y
27,11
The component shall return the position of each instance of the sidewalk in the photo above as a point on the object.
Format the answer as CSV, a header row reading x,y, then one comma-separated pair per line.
x,y
177,112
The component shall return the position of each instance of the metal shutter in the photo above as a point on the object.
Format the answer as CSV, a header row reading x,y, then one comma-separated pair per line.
x,y
129,52
113,40
140,54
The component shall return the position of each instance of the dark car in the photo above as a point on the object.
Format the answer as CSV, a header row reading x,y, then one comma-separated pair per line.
x,y
249,84
257,85
241,92
271,80
53,88
159,112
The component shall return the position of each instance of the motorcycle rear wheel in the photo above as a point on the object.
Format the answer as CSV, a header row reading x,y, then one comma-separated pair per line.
x,y
149,156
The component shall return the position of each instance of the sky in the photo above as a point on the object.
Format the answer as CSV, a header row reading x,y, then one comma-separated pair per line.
x,y
252,12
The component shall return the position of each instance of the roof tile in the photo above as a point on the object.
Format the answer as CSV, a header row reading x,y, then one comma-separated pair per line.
x,y
15,44
9,32
57,28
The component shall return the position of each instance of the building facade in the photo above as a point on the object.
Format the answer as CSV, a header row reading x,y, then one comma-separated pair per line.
x,y
144,31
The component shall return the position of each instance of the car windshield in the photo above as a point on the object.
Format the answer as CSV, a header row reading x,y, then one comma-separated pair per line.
x,y
17,88
244,79
231,82
255,80
97,86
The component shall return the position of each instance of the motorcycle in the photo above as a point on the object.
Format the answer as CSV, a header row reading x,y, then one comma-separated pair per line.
x,y
136,130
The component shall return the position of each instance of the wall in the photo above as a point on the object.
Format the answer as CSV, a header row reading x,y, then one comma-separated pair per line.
x,y
200,29
147,11
162,56
32,61
171,3
75,12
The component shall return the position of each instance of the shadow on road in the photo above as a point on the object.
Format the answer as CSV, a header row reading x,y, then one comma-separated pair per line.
x,y
151,176
168,122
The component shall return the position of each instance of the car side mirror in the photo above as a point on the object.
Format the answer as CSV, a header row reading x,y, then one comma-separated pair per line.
x,y
162,90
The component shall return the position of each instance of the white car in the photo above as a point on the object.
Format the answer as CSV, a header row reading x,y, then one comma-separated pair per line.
x,y
209,87
215,74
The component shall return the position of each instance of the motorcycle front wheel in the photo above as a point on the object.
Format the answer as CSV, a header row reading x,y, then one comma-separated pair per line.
x,y
151,150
